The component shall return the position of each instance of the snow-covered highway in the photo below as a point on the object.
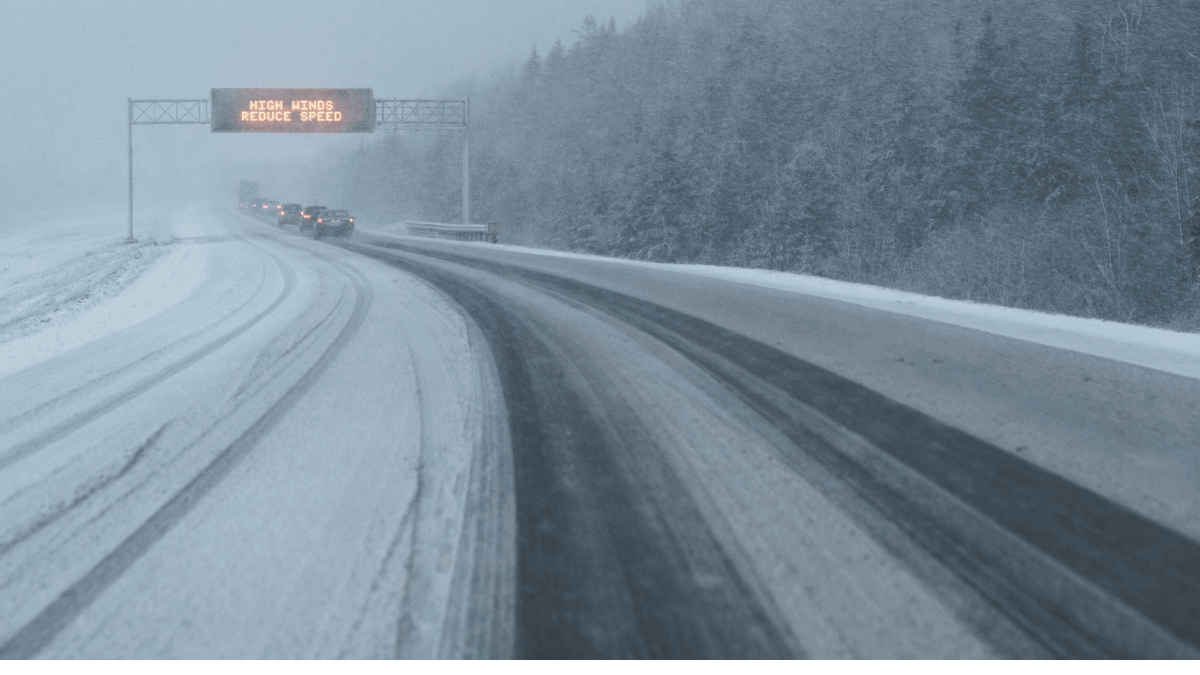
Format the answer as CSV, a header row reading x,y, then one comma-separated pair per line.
x,y
275,441
395,447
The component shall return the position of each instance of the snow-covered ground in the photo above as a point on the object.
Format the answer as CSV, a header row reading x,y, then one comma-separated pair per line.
x,y
1157,348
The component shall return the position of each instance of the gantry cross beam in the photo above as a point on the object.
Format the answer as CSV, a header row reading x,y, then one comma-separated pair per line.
x,y
169,111
430,114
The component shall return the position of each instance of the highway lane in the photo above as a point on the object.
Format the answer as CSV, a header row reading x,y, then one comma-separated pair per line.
x,y
247,474
1032,562
389,447
614,557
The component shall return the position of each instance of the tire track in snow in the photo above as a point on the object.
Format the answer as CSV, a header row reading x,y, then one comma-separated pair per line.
x,y
1078,573
101,380
606,567
23,449
39,632
81,494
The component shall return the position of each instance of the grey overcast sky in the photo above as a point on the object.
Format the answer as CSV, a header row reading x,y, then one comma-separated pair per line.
x,y
67,69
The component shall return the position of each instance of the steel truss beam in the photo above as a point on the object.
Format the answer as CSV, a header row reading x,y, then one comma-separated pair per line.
x,y
169,111
418,114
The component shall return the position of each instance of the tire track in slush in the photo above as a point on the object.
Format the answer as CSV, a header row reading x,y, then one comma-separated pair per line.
x,y
1077,572
48,518
82,494
81,419
39,632
113,374
606,567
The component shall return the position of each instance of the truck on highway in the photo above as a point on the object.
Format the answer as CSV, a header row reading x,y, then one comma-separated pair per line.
x,y
247,193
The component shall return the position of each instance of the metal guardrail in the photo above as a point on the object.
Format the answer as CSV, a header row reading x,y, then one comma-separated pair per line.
x,y
471,232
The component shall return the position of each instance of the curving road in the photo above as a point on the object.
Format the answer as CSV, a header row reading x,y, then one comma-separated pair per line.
x,y
395,447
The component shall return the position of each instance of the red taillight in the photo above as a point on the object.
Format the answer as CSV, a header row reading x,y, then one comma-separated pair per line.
x,y
320,220
352,220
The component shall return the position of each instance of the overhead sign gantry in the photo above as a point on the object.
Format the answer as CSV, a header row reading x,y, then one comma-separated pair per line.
x,y
306,111
293,111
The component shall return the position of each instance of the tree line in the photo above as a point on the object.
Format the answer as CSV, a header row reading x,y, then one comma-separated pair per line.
x,y
1031,153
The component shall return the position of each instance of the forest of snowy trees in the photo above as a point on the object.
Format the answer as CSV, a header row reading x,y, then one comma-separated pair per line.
x,y
1032,153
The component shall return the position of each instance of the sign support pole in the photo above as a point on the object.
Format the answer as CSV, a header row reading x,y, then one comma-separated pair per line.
x,y
466,189
130,239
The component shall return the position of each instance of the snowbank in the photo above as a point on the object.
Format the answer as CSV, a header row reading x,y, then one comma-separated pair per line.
x,y
1157,348
66,282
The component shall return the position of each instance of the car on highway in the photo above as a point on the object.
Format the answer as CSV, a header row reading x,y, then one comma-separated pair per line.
x,y
289,214
308,216
333,220
266,208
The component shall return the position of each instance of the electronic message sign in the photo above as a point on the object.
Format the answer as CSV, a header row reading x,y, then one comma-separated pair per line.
x,y
293,111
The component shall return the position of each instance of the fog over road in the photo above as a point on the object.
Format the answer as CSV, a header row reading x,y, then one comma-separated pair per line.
x,y
391,447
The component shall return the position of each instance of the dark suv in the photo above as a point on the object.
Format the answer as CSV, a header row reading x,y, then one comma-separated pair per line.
x,y
289,213
308,216
333,221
